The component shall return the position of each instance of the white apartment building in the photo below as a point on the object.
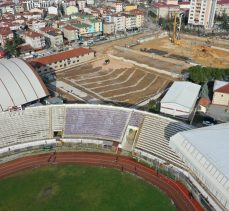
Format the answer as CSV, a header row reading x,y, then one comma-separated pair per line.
x,y
130,21
90,2
119,22
37,25
38,3
222,7
35,40
202,13
81,4
118,6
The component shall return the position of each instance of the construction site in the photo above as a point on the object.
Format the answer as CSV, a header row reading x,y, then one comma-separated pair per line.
x,y
133,70
193,50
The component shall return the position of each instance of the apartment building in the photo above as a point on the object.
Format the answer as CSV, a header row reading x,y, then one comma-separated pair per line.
x,y
70,10
108,28
71,33
119,22
38,3
81,4
139,17
202,13
222,7
130,21
35,40
118,6
53,35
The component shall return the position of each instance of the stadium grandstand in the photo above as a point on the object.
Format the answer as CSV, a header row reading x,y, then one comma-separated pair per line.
x,y
19,84
193,155
104,124
205,152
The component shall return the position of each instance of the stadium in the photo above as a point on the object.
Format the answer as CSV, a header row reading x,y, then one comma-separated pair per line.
x,y
97,128
188,164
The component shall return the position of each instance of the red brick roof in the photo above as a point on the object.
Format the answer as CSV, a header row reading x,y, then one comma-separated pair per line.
x,y
60,56
70,28
33,34
223,2
223,89
49,29
5,31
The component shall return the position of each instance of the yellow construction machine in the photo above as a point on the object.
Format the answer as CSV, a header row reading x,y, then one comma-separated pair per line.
x,y
176,28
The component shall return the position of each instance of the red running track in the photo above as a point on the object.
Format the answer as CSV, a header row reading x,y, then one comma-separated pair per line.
x,y
176,191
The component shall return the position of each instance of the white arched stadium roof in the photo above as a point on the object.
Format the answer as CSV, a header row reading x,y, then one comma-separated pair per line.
x,y
19,83
207,150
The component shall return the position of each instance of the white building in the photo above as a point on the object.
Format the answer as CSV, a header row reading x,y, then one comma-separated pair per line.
x,y
221,93
205,152
81,4
222,7
180,99
119,22
90,2
202,13
130,22
118,6
52,10
37,25
35,40
38,3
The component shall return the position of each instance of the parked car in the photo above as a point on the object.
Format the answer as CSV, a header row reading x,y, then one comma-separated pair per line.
x,y
209,121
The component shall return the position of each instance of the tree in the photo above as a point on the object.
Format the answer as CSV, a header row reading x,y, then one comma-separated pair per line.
x,y
11,46
202,75
225,24
154,106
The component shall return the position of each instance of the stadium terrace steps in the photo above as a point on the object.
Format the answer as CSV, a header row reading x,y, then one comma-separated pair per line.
x,y
100,123
97,122
24,126
154,137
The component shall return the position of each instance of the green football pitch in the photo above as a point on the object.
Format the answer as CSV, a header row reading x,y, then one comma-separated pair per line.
x,y
75,187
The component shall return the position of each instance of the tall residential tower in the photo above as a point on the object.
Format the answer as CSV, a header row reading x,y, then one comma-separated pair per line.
x,y
202,13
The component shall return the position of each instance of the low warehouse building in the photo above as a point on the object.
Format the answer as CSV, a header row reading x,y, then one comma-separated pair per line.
x,y
62,60
180,100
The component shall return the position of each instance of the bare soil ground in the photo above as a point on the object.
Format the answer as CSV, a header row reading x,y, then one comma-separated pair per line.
x,y
194,49
159,63
118,81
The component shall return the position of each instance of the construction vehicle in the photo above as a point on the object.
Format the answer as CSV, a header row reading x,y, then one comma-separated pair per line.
x,y
176,28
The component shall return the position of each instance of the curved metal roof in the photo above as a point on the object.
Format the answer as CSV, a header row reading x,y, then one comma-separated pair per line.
x,y
19,83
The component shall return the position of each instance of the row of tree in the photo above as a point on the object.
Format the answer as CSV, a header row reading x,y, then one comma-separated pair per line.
x,y
202,75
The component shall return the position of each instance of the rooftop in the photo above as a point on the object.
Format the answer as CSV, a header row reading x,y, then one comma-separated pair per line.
x,y
182,93
33,34
221,86
60,56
